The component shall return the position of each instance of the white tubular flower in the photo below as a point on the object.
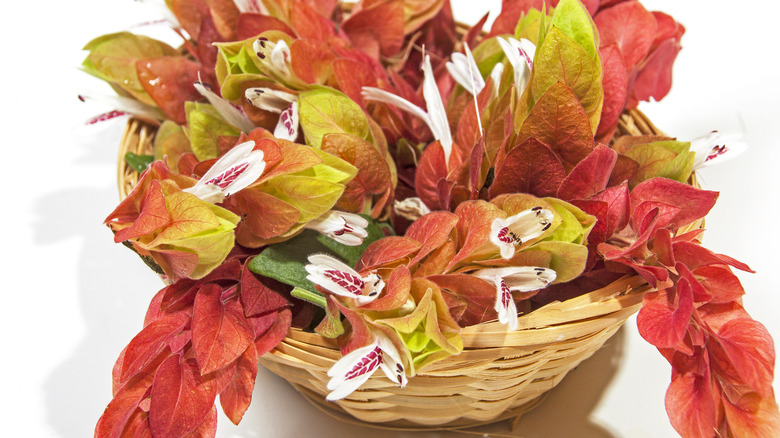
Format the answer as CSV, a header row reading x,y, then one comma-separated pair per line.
x,y
716,147
287,126
342,280
514,279
440,126
354,369
275,55
435,118
236,170
411,208
268,99
121,106
465,72
346,228
520,54
508,233
495,75
231,113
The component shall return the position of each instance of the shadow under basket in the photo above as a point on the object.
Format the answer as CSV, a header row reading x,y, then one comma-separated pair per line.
x,y
499,375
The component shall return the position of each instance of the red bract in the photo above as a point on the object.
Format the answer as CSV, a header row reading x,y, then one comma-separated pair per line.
x,y
220,333
378,29
530,167
648,44
237,395
180,397
169,81
200,344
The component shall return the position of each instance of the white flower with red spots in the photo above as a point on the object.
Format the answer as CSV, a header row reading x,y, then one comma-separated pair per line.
x,y
122,106
340,279
354,369
514,279
279,102
435,117
236,170
346,228
520,54
716,147
287,126
515,230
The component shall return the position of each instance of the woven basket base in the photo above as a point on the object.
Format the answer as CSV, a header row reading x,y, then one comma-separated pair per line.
x,y
334,411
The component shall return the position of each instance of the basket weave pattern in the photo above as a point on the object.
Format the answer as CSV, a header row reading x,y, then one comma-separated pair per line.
x,y
498,375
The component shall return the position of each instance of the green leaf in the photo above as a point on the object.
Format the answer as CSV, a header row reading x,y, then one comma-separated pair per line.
x,y
324,111
571,17
112,58
139,163
205,128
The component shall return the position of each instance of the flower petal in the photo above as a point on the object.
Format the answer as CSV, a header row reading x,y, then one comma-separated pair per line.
x,y
716,147
505,305
465,72
411,208
515,230
346,228
239,168
342,280
268,99
353,370
391,364
495,76
280,57
378,95
232,114
439,124
520,54
287,127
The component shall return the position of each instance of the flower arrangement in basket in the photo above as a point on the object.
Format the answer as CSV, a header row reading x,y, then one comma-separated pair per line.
x,y
334,189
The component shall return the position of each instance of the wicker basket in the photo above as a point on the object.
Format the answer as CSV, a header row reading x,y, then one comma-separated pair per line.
x,y
498,375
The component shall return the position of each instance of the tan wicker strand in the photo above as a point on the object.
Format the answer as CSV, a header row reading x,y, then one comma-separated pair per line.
x,y
499,375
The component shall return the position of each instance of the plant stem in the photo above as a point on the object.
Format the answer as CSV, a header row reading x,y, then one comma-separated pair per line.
x,y
315,298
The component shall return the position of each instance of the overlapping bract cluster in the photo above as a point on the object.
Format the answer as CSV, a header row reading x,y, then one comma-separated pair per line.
x,y
201,339
411,192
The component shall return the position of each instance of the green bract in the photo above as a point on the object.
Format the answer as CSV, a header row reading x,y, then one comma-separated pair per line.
x,y
326,111
112,58
205,127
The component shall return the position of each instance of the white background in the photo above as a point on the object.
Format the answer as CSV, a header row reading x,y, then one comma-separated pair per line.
x,y
72,298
